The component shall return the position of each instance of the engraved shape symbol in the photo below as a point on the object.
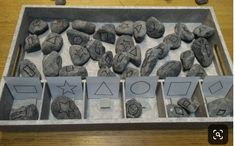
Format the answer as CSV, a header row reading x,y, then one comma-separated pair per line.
x,y
69,68
36,23
31,41
133,52
152,27
129,73
138,28
183,88
29,71
178,111
26,89
103,90
186,103
126,45
120,58
221,112
140,87
66,88
52,40
107,59
77,40
65,107
217,86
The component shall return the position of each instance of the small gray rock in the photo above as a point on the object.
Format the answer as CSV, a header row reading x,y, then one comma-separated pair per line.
x,y
79,55
163,50
187,59
84,26
134,54
64,108
105,72
204,31
38,27
173,41
120,62
32,44
52,63
155,29
59,26
201,2
124,43
72,70
133,109
125,28
106,34
96,49
188,105
222,107
29,112
53,42
28,69
60,2
106,60
197,71
139,31
169,69
203,51
77,38
176,111
184,33
130,72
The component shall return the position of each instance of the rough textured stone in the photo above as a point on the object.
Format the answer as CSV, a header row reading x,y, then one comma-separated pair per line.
x,y
134,54
59,26
84,26
77,38
169,69
204,31
130,72
124,43
120,62
64,108
197,71
187,59
163,50
125,28
72,70
188,105
52,63
106,34
105,72
79,55
28,69
139,31
155,29
176,111
29,112
106,60
38,27
60,2
53,42
222,107
184,33
173,41
201,2
133,109
203,51
96,49
32,44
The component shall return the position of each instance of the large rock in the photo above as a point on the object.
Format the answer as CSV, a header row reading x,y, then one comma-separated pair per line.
x,y
184,33
173,41
188,105
77,38
106,34
197,71
84,26
120,62
222,107
52,63
38,27
106,60
125,28
134,54
29,112
28,69
96,49
59,26
155,29
130,72
72,70
187,59
105,72
169,69
204,31
163,50
79,55
139,31
32,44
133,109
176,111
53,42
124,43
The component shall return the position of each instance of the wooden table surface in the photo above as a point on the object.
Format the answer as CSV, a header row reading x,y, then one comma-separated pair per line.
x,y
9,12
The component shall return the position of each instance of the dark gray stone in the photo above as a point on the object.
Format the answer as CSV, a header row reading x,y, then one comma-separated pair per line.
x,y
130,72
134,54
84,26
29,112
173,41
124,43
72,70
53,42
187,59
59,26
139,31
77,38
197,71
222,107
169,69
52,63
155,29
32,44
204,31
106,60
105,72
188,105
106,34
201,2
96,49
125,28
176,111
28,69
38,27
79,55
133,109
60,2
203,51
64,108
120,62
163,50
184,33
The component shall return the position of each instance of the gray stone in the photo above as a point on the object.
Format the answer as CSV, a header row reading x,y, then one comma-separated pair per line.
x,y
169,69
203,51
134,54
77,38
72,70
59,26
163,50
184,33
197,71
173,41
124,43
155,29
120,62
187,59
201,2
176,111
139,31
53,42
52,63
60,2
84,26
188,105
106,60
64,108
125,28
79,55
96,49
29,112
222,107
32,44
38,27
133,109
130,72
105,72
204,31
28,69
106,34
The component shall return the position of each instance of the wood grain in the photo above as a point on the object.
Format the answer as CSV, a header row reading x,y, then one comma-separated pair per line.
x,y
8,17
